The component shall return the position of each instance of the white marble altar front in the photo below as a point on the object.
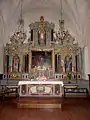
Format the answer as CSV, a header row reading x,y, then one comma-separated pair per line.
x,y
40,88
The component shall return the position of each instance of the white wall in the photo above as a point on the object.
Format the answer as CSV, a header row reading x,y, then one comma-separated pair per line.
x,y
1,58
86,62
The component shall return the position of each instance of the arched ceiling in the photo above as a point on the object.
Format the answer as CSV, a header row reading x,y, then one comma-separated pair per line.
x,y
76,14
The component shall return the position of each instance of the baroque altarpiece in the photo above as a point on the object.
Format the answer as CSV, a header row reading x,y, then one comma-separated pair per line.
x,y
46,54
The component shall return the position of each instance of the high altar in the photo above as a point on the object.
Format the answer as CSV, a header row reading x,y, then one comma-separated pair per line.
x,y
42,61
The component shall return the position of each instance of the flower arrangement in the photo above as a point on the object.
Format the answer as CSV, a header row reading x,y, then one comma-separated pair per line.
x,y
16,75
69,75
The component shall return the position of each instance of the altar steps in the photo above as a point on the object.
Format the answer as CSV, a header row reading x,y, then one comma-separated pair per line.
x,y
39,102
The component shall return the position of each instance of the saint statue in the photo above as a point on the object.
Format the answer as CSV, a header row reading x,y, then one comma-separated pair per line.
x,y
41,32
68,63
16,62
41,38
62,66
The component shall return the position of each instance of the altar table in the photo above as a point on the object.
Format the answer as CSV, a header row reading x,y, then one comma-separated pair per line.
x,y
40,88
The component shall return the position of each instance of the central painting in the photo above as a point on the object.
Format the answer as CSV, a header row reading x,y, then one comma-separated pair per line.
x,y
41,58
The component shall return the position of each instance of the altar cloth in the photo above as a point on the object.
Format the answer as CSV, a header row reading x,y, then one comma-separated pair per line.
x,y
40,82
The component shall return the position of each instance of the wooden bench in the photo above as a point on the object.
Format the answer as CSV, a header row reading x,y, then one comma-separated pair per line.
x,y
74,89
8,90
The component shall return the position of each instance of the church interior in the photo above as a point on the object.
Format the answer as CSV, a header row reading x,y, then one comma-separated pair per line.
x,y
44,52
